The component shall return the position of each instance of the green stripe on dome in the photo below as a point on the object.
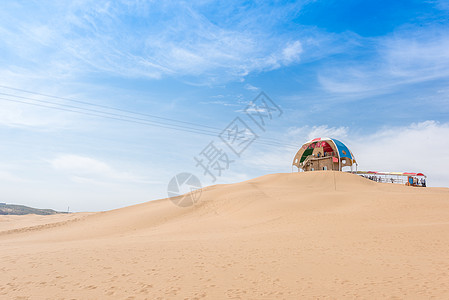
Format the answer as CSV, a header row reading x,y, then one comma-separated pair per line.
x,y
306,153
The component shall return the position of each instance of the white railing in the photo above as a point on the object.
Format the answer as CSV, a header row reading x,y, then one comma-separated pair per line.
x,y
393,179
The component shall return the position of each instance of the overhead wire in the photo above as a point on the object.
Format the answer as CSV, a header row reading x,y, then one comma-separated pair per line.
x,y
127,111
106,106
122,117
214,134
97,115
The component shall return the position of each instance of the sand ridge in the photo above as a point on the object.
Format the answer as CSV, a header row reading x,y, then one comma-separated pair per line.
x,y
279,236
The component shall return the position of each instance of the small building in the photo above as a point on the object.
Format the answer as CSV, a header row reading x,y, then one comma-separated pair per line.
x,y
324,154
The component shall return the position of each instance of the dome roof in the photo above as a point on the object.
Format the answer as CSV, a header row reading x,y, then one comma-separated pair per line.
x,y
330,146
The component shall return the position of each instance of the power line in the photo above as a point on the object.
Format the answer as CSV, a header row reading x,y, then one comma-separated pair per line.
x,y
123,110
107,107
98,111
197,131
98,115
121,117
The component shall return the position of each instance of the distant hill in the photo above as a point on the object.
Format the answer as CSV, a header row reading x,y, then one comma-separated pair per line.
x,y
13,209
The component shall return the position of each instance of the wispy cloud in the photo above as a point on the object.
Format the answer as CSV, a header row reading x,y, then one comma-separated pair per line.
x,y
306,133
292,52
166,39
220,102
23,116
442,4
251,87
237,100
419,57
403,58
86,169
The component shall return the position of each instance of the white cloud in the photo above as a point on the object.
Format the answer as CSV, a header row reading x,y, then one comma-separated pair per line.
x,y
96,36
81,164
292,52
270,159
325,131
419,147
442,4
251,87
307,133
417,58
403,58
356,85
236,100
89,170
21,115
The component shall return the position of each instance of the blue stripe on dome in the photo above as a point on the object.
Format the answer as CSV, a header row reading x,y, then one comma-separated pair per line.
x,y
342,149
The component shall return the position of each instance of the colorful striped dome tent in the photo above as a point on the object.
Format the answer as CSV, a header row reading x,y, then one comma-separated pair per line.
x,y
323,154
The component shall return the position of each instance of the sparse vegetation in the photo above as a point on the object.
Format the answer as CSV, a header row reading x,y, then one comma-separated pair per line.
x,y
13,209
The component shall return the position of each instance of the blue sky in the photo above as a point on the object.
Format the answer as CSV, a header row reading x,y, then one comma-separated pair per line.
x,y
373,74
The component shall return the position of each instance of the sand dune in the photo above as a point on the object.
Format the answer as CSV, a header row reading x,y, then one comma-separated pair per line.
x,y
280,236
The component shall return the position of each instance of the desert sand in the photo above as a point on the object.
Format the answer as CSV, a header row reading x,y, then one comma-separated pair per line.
x,y
281,236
